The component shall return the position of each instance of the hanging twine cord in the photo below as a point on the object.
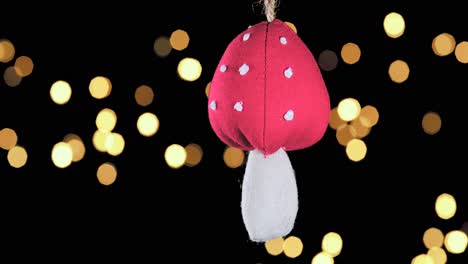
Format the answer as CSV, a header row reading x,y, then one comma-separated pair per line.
x,y
269,8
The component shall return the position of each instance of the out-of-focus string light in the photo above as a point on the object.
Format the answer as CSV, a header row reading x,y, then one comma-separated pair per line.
x,y
194,154
438,255
62,155
332,243
17,156
335,121
356,149
369,116
8,138
100,87
327,60
162,46
292,26
189,69
443,44
394,25
233,157
144,95
433,237
207,89
292,247
361,129
114,144
445,206
322,258
350,53
24,66
60,92
106,120
99,140
106,173
11,78
7,50
147,124
399,71
175,156
431,123
461,52
274,246
422,259
179,39
77,146
349,109
345,134
456,241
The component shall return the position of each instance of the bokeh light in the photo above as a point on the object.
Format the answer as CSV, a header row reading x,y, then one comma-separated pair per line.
x,y
106,173
394,25
327,60
100,87
147,124
292,26
292,247
207,89
233,157
422,259
179,39
162,46
445,206
77,146
7,50
456,241
345,133
350,53
8,138
114,144
361,129
433,237
62,155
194,154
438,255
398,71
332,244
431,123
144,95
189,69
175,156
24,66
349,109
11,78
274,246
356,149
322,258
106,120
369,116
461,52
99,140
17,157
443,44
335,121
60,92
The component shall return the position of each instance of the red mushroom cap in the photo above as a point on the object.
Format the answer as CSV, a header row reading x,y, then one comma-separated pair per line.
x,y
268,92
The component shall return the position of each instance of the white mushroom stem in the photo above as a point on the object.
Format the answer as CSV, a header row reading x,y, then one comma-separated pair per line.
x,y
269,196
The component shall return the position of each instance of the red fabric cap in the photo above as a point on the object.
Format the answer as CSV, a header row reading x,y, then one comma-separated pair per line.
x,y
267,92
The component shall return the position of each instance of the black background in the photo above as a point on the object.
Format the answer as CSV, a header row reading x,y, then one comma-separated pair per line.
x,y
380,206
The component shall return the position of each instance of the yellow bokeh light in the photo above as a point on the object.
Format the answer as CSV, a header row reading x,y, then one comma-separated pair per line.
x,y
189,69
17,157
148,124
99,140
194,154
399,71
292,26
106,120
8,138
77,146
394,25
7,50
422,259
179,39
350,53
431,123
345,133
233,157
24,66
369,116
361,130
327,60
175,156
461,52
162,47
322,258
106,173
207,89
332,244
11,78
62,155
349,109
292,247
456,241
433,237
274,246
114,144
60,92
356,149
100,87
335,121
144,95
445,206
438,255
443,44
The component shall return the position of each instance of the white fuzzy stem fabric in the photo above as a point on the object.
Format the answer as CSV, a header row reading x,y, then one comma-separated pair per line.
x,y
269,196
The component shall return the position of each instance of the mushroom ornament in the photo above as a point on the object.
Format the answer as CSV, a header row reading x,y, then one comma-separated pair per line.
x,y
267,97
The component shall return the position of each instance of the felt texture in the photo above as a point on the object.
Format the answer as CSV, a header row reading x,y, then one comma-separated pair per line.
x,y
282,81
